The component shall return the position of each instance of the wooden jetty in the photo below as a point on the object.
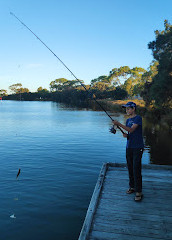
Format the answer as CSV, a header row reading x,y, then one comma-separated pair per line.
x,y
113,214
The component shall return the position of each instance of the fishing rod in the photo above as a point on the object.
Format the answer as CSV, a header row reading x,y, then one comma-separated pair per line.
x,y
111,130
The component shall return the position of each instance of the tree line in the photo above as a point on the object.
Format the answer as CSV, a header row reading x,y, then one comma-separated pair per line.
x,y
154,85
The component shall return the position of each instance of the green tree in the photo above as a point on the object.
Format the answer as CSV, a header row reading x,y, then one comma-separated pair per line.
x,y
133,80
15,87
118,74
3,92
102,83
128,86
23,90
102,78
39,89
42,90
58,84
147,82
72,84
80,87
61,84
161,87
101,86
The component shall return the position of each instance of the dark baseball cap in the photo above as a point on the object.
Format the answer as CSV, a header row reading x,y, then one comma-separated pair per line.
x,y
129,104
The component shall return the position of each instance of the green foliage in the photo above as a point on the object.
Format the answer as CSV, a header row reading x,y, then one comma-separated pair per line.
x,y
101,83
128,86
132,78
103,78
18,89
15,87
161,87
61,84
58,84
23,90
116,74
101,86
72,84
119,93
39,89
3,92
147,82
42,90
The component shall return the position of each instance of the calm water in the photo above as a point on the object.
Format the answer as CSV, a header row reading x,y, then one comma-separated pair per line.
x,y
60,152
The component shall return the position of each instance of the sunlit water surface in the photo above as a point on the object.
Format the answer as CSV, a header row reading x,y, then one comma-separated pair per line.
x,y
60,152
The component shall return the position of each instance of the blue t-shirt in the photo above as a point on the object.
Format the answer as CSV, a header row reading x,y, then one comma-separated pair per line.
x,y
135,139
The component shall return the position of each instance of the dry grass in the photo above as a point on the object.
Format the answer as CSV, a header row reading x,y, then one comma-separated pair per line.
x,y
138,102
115,105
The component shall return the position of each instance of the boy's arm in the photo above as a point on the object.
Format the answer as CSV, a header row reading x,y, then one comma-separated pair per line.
x,y
128,129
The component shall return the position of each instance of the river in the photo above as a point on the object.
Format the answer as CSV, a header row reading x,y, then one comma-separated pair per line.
x,y
60,151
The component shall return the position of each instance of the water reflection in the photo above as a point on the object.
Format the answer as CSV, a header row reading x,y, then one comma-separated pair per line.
x,y
158,138
65,106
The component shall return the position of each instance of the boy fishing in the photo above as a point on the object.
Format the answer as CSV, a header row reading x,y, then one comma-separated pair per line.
x,y
134,149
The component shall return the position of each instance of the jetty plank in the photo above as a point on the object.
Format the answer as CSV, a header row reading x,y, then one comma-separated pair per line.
x,y
113,214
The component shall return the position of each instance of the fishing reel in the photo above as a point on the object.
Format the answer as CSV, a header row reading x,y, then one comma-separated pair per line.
x,y
113,129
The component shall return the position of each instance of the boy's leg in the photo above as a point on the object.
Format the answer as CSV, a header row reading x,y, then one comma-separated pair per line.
x,y
137,157
129,157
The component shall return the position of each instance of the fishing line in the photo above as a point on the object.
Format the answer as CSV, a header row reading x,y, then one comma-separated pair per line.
x,y
65,67
16,198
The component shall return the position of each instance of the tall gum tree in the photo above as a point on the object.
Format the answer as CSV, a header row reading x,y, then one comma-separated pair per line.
x,y
161,87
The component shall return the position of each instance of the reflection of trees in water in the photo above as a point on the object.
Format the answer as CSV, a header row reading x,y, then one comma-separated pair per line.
x,y
159,138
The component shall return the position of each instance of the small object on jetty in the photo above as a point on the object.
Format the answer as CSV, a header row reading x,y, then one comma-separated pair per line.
x,y
12,216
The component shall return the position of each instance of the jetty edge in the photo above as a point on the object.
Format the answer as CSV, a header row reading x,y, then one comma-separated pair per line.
x,y
112,214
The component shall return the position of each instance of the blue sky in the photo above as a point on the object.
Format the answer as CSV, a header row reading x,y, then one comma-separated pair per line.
x,y
91,37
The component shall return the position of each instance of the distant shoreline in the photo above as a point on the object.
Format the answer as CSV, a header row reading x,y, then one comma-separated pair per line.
x,y
109,104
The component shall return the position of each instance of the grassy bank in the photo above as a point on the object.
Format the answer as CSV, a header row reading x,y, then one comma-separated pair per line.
x,y
153,114
116,105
